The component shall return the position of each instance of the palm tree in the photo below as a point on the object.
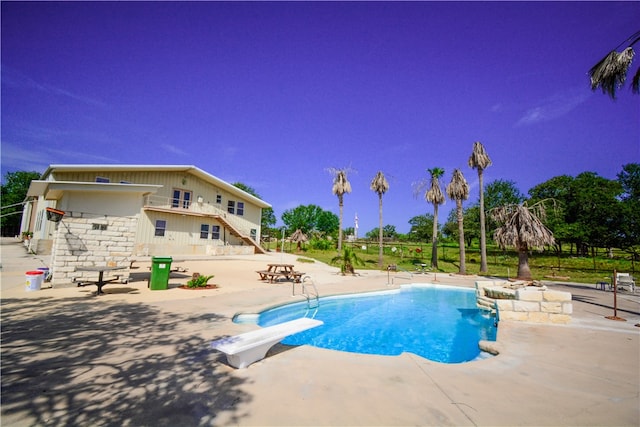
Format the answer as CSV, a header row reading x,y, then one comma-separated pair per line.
x,y
434,195
380,186
458,190
611,72
341,186
480,160
522,228
347,261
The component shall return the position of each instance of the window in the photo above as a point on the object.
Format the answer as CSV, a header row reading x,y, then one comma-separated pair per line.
x,y
161,227
253,233
101,227
231,207
101,179
240,210
215,232
204,231
181,199
218,198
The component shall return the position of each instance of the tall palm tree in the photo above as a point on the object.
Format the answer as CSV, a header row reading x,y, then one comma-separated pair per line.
x,y
480,160
522,228
610,72
458,190
341,186
434,196
380,186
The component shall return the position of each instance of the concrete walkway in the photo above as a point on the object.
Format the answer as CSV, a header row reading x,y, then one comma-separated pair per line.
x,y
136,357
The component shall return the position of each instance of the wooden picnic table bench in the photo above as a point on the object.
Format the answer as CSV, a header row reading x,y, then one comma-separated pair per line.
x,y
273,276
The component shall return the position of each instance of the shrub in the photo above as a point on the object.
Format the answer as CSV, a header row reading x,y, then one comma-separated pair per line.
x,y
198,281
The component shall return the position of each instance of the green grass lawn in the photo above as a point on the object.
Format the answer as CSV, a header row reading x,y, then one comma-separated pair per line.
x,y
544,265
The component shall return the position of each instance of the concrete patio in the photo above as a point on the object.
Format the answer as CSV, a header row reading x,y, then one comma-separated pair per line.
x,y
135,357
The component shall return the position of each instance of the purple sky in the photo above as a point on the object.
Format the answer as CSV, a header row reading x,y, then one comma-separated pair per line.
x,y
274,94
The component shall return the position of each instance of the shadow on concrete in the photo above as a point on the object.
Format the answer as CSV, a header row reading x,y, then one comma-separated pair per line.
x,y
86,361
599,303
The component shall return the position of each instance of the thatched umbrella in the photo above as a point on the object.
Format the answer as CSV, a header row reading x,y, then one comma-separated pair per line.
x,y
298,237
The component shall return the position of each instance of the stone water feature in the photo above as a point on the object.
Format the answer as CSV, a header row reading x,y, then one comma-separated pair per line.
x,y
523,302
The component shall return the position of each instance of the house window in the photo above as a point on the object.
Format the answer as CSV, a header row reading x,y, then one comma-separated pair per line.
x,y
231,207
218,198
101,227
181,199
240,210
215,232
161,227
204,231
102,179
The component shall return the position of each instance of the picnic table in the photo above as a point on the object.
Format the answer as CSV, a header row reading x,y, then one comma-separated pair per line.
x,y
279,271
101,281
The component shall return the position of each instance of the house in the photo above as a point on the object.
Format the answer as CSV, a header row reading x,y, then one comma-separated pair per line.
x,y
113,214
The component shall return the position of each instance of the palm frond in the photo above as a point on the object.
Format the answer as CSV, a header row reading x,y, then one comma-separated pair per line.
x,y
379,184
434,194
479,158
341,184
521,226
458,188
610,72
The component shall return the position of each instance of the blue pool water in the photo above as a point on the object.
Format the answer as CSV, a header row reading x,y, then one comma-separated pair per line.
x,y
438,323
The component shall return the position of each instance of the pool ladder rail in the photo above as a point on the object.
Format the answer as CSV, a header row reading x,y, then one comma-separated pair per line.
x,y
391,280
310,292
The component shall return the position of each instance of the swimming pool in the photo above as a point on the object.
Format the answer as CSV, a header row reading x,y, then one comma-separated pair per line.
x,y
439,323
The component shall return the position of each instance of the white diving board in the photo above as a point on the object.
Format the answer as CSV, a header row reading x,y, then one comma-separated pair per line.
x,y
244,349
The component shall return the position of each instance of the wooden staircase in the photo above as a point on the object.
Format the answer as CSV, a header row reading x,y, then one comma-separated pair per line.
x,y
235,232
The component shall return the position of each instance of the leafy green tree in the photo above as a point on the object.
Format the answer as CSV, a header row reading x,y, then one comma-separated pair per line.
x,y
556,189
388,233
327,223
309,219
629,179
14,191
471,225
593,206
502,192
629,233
421,227
268,219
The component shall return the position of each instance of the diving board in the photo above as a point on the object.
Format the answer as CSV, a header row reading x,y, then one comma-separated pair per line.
x,y
244,349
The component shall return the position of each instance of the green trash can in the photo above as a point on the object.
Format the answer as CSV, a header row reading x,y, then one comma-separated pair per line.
x,y
160,270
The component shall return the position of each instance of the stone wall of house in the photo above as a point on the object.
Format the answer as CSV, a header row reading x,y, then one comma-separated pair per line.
x,y
527,304
91,240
